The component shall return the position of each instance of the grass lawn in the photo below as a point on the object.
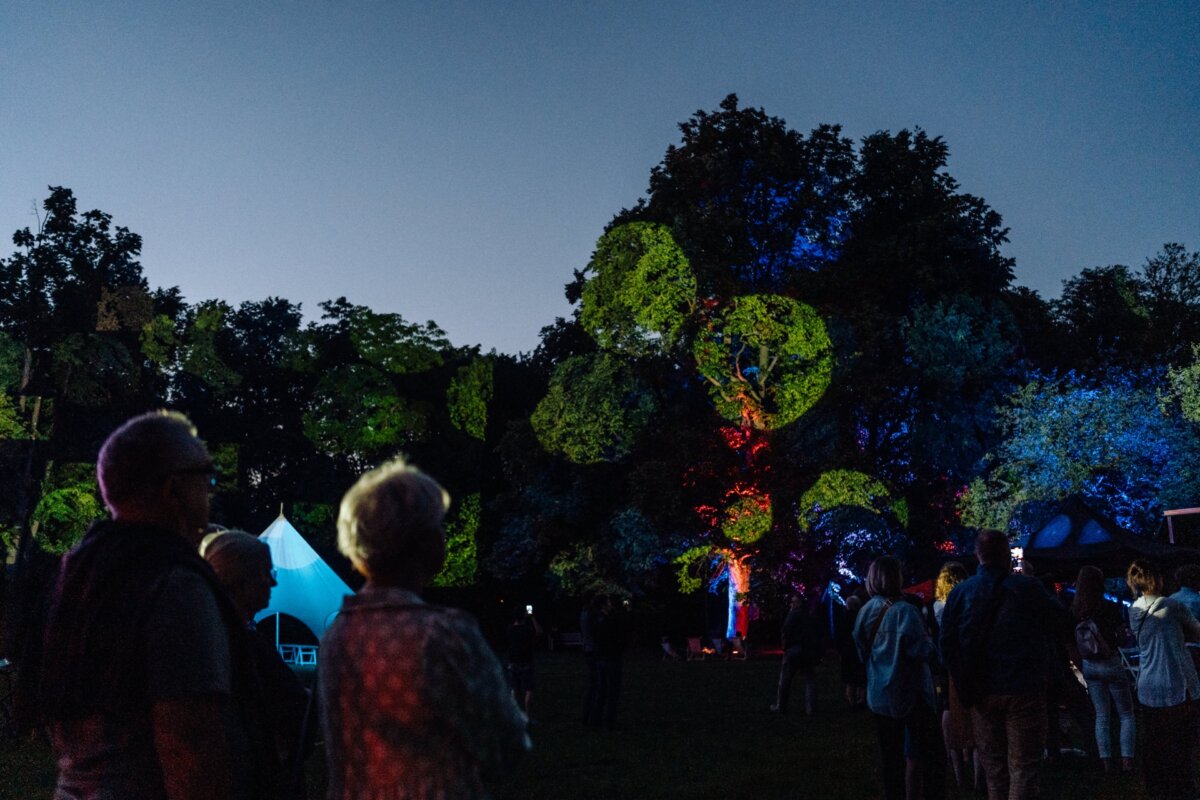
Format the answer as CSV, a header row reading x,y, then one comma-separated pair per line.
x,y
686,730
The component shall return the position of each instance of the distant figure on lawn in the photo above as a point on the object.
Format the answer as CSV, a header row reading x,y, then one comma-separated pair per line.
x,y
802,641
610,651
243,565
588,618
415,703
997,635
522,635
893,643
146,687
850,667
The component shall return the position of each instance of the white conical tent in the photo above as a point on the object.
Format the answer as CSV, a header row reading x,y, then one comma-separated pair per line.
x,y
307,588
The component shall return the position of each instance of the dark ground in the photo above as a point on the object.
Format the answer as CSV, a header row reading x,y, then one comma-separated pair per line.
x,y
686,730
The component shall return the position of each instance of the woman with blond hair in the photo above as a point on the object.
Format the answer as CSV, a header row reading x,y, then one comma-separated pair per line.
x,y
415,703
1167,684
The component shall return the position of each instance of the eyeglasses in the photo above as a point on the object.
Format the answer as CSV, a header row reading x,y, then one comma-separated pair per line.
x,y
274,573
204,469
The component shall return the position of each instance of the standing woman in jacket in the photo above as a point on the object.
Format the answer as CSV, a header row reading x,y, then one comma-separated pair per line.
x,y
894,645
1167,685
1107,680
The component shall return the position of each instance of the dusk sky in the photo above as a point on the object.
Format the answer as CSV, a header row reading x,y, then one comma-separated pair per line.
x,y
455,161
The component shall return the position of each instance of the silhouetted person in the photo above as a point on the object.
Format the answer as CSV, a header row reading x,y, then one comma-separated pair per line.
x,y
144,684
610,650
522,635
997,631
243,565
588,619
802,642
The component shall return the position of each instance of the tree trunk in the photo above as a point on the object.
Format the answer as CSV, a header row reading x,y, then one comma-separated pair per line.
x,y
739,585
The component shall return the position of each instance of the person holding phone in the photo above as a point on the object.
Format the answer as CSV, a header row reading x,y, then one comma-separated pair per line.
x,y
522,635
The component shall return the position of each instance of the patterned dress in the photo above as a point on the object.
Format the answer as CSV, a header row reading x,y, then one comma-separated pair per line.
x,y
415,702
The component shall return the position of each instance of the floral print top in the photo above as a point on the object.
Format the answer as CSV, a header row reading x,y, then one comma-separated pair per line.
x,y
415,704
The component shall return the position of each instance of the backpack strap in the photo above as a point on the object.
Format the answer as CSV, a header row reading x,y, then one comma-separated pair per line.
x,y
878,622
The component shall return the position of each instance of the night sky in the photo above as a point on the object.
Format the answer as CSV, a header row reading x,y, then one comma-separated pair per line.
x,y
455,161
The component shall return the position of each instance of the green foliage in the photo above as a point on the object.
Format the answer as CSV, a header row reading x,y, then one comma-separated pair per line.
x,y
317,522
842,488
158,340
200,356
578,571
69,504
640,290
91,369
594,409
691,562
767,360
1184,386
470,392
462,560
225,458
11,355
356,411
747,519
11,424
389,343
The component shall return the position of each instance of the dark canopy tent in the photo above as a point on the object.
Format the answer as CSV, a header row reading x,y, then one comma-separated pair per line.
x,y
1077,534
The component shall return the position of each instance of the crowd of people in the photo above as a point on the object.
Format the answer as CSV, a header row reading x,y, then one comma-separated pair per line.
x,y
151,682
970,679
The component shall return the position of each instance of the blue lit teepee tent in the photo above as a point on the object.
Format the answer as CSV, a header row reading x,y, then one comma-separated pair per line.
x,y
307,588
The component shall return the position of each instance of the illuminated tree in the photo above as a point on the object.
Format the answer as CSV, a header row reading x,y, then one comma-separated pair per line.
x,y
470,391
1107,439
594,409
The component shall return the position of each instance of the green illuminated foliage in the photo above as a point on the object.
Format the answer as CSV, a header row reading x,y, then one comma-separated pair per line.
x,y
11,355
158,340
767,360
747,519
462,558
68,505
11,425
470,392
640,290
316,522
842,488
691,564
593,411
199,354
355,410
1184,387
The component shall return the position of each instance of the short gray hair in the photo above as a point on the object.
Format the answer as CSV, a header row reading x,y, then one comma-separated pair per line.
x,y
390,514
235,556
139,456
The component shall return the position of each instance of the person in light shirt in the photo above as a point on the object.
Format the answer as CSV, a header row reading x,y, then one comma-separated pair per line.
x,y
1167,684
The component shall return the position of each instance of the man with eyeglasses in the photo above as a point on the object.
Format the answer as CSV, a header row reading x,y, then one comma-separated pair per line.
x,y
145,685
